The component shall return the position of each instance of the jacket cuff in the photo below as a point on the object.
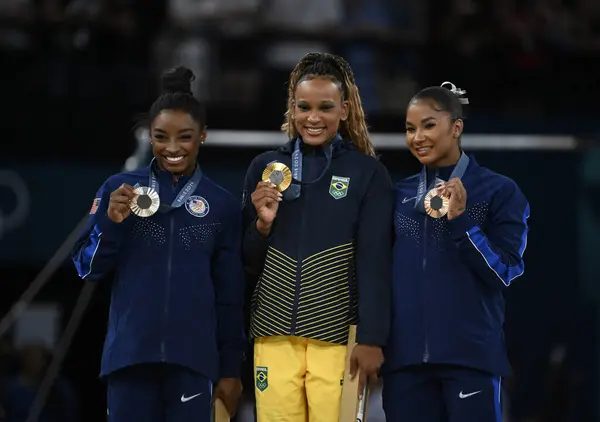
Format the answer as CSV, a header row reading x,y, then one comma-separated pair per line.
x,y
370,337
255,235
460,225
231,364
109,229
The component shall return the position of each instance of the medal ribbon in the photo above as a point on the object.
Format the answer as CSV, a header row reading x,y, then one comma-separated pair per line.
x,y
295,188
185,193
459,171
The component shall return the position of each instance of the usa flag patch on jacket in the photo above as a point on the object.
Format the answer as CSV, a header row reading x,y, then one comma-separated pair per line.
x,y
95,206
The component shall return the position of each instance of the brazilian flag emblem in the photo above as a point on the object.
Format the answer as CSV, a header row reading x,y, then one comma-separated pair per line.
x,y
262,378
338,188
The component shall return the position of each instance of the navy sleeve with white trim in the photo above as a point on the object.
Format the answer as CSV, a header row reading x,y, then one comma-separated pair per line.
x,y
496,255
95,251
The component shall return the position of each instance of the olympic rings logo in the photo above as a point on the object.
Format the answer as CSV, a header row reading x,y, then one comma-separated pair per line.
x,y
14,218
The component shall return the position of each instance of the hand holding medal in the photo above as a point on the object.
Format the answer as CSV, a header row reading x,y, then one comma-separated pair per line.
x,y
118,205
276,178
456,193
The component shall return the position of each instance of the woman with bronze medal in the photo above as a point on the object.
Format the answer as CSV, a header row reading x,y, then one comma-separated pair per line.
x,y
318,238
460,234
171,240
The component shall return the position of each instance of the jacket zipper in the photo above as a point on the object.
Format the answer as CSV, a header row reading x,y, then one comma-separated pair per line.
x,y
163,353
426,351
299,262
425,302
168,287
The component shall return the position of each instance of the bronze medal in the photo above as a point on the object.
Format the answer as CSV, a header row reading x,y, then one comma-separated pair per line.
x,y
436,205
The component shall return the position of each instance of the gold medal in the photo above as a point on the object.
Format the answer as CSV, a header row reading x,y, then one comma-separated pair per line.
x,y
145,203
279,174
436,205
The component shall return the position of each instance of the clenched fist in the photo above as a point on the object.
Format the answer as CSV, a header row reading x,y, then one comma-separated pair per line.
x,y
456,193
118,206
265,199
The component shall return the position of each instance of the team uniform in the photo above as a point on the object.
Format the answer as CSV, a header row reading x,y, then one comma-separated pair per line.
x,y
446,353
325,266
175,324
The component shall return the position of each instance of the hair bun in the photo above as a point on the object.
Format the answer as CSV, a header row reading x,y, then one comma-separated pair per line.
x,y
457,91
178,79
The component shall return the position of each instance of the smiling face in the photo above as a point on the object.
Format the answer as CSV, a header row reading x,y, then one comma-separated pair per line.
x,y
176,138
431,135
318,109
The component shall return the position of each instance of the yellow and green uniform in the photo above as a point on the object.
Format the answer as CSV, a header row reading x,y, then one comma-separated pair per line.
x,y
326,265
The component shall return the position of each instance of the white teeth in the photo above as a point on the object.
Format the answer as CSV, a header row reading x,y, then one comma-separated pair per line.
x,y
174,159
423,149
313,131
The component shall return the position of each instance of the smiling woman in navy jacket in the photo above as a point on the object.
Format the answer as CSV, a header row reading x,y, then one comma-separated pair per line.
x,y
175,325
461,231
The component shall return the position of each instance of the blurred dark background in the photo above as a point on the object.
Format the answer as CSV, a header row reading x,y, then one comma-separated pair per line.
x,y
76,73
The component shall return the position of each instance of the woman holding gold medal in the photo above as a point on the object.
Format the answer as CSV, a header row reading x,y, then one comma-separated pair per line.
x,y
319,238
461,231
172,240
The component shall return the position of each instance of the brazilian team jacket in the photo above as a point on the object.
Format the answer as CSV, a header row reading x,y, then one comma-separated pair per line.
x,y
327,262
449,276
177,278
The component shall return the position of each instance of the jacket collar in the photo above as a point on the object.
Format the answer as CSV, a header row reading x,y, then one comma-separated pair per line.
x,y
167,176
340,146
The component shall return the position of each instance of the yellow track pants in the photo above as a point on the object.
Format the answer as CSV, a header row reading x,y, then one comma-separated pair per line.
x,y
298,379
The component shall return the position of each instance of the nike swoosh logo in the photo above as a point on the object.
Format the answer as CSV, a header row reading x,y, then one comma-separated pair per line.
x,y
184,398
464,396
405,200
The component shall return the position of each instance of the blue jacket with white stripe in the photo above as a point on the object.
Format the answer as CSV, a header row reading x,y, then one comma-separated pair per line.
x,y
177,278
449,275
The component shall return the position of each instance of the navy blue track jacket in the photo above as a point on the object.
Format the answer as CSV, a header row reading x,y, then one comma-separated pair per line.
x,y
178,281
449,275
327,263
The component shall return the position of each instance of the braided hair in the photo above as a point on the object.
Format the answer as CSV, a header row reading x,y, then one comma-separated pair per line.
x,y
325,65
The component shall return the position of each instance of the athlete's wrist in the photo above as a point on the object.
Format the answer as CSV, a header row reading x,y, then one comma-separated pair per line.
x,y
264,229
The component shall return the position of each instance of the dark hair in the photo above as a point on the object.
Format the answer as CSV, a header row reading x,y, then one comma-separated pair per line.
x,y
449,100
177,95
339,71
